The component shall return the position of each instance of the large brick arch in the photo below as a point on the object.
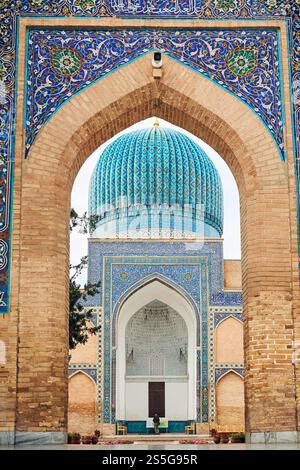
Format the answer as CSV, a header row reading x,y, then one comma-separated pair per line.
x,y
41,233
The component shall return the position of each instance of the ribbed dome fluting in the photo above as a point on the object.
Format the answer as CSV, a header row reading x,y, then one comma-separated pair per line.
x,y
156,171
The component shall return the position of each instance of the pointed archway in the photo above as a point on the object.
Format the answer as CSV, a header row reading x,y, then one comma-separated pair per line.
x,y
40,234
155,290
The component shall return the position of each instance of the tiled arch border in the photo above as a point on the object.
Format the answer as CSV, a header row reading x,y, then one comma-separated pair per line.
x,y
197,311
109,317
294,234
215,312
146,280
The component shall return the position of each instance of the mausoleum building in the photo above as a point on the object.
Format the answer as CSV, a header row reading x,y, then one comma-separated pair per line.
x,y
170,306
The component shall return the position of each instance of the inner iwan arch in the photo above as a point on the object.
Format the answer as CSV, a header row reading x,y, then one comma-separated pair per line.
x,y
166,298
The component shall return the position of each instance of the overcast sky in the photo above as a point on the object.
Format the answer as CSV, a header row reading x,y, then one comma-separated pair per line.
x,y
231,234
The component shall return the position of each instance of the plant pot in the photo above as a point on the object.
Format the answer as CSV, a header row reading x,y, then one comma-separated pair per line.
x,y
86,440
74,438
95,440
237,440
216,439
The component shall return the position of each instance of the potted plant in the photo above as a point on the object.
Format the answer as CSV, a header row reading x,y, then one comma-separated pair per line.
x,y
96,436
216,438
86,439
74,438
224,438
237,438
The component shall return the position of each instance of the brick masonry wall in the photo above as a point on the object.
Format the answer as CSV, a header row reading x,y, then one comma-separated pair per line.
x,y
43,183
82,413
232,274
229,342
230,402
86,353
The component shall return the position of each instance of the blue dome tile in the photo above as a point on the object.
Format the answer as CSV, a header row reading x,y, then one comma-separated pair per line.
x,y
163,170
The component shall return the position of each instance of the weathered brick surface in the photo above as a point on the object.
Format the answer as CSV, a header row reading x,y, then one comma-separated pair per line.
x,y
36,331
82,410
232,274
229,342
230,402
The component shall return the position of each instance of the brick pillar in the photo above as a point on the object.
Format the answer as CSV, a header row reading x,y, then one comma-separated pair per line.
x,y
269,376
42,387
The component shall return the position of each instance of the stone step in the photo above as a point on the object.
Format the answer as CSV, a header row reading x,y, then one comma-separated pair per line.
x,y
167,437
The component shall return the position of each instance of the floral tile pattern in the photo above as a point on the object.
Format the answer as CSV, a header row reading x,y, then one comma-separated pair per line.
x,y
61,63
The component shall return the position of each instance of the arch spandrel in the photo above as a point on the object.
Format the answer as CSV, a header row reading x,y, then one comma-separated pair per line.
x,y
231,58
180,96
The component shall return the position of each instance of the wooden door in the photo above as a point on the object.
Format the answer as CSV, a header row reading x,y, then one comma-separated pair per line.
x,y
157,399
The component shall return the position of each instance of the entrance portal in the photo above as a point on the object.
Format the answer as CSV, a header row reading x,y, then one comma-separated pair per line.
x,y
40,290
156,339
156,354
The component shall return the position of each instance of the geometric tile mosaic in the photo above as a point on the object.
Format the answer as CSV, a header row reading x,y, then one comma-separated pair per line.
x,y
110,301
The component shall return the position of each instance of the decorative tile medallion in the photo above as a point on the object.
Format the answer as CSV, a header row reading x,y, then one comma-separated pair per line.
x,y
66,62
123,275
242,61
227,6
188,276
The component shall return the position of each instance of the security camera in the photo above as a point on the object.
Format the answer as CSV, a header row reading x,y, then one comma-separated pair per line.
x,y
157,60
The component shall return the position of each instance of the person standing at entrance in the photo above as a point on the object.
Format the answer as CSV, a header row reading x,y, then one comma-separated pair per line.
x,y
156,422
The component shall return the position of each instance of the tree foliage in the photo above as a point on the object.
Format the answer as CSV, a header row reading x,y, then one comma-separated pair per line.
x,y
84,223
80,316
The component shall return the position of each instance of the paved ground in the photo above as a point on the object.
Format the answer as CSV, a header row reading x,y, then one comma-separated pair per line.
x,y
162,447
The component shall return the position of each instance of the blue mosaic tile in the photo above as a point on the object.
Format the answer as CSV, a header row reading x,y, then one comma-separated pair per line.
x,y
245,62
220,372
212,250
219,317
194,269
159,171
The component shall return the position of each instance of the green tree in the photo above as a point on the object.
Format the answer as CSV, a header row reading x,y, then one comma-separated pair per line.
x,y
80,316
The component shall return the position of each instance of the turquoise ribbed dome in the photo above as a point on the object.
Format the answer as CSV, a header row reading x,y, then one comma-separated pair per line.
x,y
156,179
